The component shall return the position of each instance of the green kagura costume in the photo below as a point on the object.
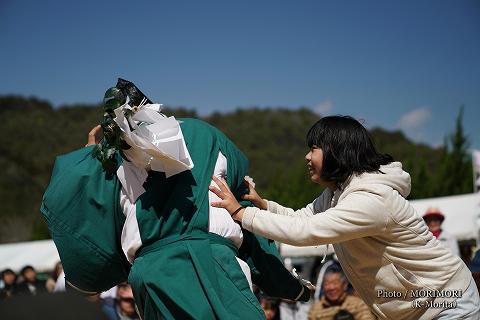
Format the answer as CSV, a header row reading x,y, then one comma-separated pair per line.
x,y
181,271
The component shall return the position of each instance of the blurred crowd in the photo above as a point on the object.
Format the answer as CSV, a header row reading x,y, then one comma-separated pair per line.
x,y
116,303
333,299
28,282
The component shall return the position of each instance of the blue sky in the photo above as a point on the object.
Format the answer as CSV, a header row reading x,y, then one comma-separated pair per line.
x,y
396,64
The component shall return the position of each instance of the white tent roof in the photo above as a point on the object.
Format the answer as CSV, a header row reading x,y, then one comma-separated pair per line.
x,y
287,250
42,255
462,213
462,219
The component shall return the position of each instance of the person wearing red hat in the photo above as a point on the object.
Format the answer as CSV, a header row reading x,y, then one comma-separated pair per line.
x,y
434,218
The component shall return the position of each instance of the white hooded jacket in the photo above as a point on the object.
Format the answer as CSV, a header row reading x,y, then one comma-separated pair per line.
x,y
383,245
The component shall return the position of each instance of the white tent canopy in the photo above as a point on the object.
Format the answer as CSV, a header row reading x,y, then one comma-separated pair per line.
x,y
462,213
287,250
462,219
42,255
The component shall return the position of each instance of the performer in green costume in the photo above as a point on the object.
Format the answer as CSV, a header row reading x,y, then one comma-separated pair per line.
x,y
136,207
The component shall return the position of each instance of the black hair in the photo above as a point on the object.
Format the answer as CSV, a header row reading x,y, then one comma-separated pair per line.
x,y
336,269
8,270
24,269
123,285
343,315
347,148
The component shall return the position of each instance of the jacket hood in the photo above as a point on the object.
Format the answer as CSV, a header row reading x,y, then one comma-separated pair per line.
x,y
391,175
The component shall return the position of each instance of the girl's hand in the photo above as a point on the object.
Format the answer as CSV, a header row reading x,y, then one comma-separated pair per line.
x,y
254,197
228,199
92,136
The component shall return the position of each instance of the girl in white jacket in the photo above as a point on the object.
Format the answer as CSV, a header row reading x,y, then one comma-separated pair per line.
x,y
387,252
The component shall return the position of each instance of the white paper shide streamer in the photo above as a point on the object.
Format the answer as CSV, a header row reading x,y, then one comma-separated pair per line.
x,y
156,143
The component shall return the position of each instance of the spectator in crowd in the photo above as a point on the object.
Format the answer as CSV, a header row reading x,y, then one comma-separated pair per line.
x,y
434,218
270,307
335,302
8,279
52,280
332,263
109,296
123,308
293,310
30,284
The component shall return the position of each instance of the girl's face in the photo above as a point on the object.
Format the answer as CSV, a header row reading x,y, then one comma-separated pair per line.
x,y
315,163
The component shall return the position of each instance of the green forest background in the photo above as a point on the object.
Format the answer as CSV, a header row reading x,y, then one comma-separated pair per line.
x,y
33,133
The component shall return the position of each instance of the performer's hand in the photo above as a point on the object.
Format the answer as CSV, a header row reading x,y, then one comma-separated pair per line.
x,y
254,197
92,136
228,199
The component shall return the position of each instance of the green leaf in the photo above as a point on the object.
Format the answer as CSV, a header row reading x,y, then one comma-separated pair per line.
x,y
111,94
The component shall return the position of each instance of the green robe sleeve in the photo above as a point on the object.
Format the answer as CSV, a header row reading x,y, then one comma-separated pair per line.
x,y
267,268
82,210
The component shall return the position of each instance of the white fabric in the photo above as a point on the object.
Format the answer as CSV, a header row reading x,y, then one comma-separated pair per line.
x,y
467,307
130,238
156,142
60,284
132,179
246,271
250,181
220,221
449,241
109,294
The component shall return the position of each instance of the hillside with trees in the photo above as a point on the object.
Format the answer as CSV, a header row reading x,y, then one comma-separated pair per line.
x,y
33,133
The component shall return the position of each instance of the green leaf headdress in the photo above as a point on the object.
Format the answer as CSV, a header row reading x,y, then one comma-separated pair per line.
x,y
115,97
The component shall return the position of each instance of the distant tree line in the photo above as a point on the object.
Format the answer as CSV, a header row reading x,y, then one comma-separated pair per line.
x,y
33,133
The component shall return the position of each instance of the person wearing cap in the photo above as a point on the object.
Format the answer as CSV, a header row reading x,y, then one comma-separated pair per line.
x,y
434,218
